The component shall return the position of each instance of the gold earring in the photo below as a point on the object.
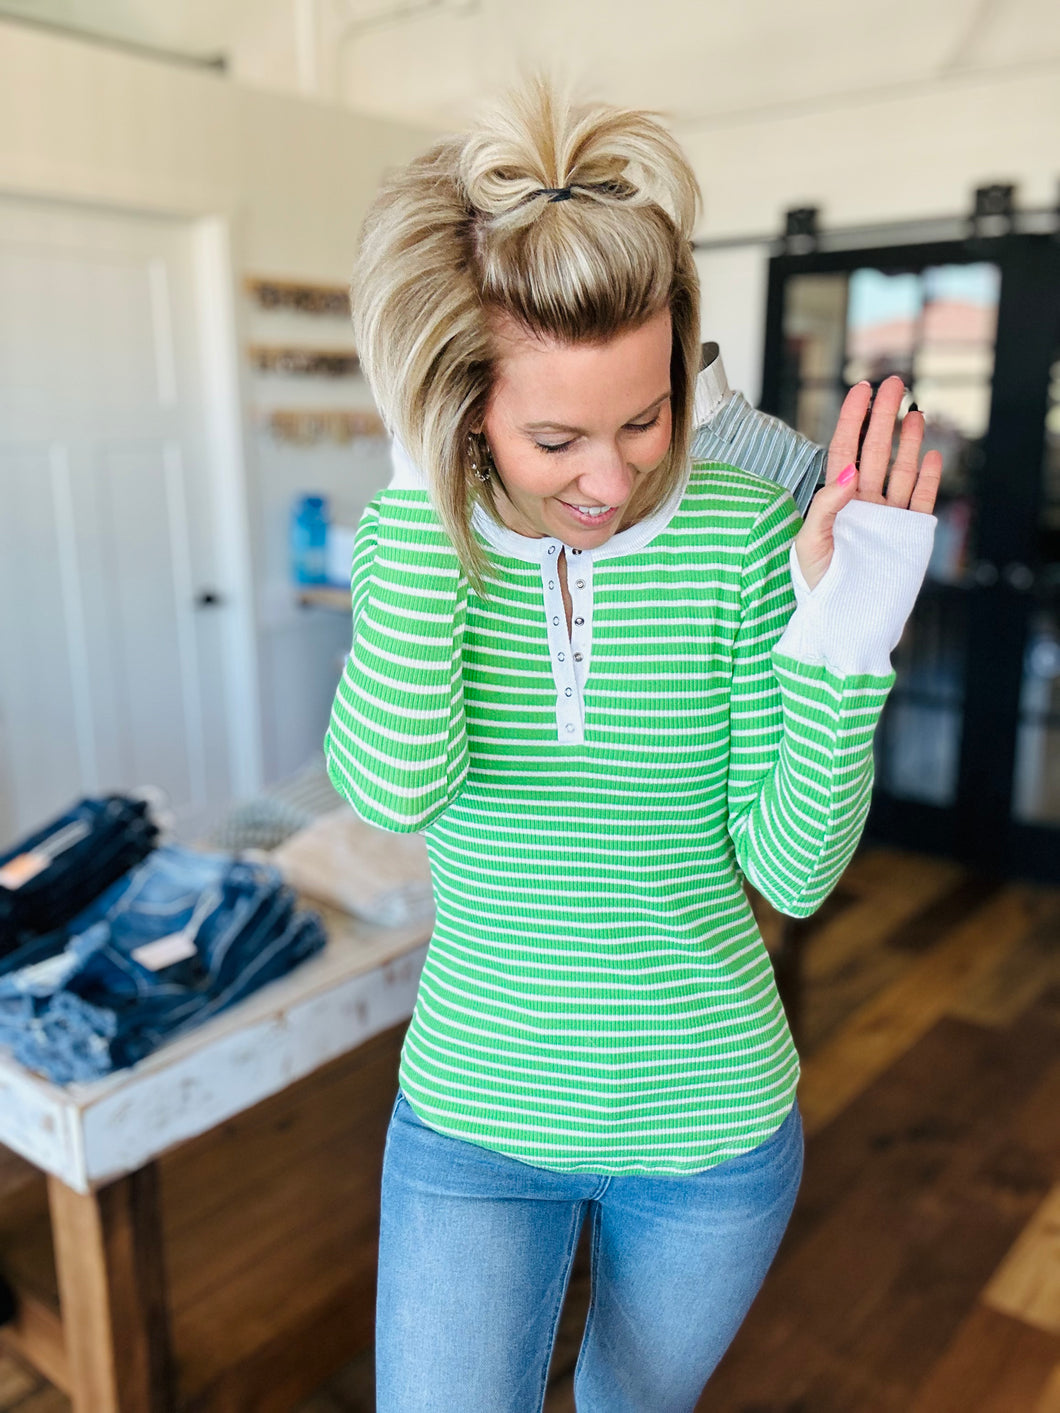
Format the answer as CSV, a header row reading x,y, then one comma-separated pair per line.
x,y
481,472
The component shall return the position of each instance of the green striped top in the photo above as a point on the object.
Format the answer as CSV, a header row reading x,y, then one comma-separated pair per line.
x,y
596,995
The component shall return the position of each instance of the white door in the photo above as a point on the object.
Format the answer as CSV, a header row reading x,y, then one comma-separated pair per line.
x,y
112,611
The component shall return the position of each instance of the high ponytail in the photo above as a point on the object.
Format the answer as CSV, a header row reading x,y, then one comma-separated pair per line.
x,y
472,229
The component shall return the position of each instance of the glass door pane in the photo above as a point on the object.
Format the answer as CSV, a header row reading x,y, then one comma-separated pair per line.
x,y
935,326
1036,791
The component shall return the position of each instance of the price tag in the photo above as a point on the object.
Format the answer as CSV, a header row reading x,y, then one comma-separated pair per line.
x,y
165,951
22,868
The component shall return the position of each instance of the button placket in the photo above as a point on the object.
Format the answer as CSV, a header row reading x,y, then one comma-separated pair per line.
x,y
580,587
568,653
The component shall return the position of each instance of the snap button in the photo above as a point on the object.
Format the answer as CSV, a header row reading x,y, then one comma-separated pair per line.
x,y
555,620
562,657
568,691
579,621
552,549
570,725
580,584
552,583
577,657
574,551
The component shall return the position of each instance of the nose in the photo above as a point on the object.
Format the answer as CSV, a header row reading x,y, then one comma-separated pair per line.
x,y
609,478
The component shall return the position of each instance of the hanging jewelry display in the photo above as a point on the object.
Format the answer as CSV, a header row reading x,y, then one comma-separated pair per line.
x,y
332,363
306,298
311,427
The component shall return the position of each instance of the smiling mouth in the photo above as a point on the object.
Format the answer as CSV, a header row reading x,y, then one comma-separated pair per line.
x,y
595,511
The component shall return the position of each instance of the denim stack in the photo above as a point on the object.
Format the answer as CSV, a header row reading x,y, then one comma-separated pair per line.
x,y
179,938
49,877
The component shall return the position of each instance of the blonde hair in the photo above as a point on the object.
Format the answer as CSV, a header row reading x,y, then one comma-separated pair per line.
x,y
466,232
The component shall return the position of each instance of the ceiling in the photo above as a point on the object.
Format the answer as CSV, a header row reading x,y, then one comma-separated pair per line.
x,y
703,62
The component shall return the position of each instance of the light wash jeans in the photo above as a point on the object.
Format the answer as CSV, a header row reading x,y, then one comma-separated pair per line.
x,y
476,1251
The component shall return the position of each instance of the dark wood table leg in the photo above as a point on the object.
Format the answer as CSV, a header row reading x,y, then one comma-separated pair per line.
x,y
108,1256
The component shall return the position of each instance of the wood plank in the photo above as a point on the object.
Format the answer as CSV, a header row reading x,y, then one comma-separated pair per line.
x,y
355,1383
297,1360
888,1025
28,1262
15,1381
1027,1283
287,1241
1020,977
45,1400
881,868
36,1336
16,1174
882,913
994,1364
201,1182
963,896
1049,1401
108,1249
910,1200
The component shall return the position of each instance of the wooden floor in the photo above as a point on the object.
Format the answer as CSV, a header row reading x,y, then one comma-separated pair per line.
x,y
921,1269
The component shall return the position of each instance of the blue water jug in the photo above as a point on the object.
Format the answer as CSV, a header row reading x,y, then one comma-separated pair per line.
x,y
309,537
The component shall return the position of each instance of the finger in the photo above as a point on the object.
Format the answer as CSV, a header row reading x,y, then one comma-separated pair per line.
x,y
876,451
813,544
843,448
927,484
903,476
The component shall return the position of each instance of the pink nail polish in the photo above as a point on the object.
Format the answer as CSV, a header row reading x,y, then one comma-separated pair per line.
x,y
847,474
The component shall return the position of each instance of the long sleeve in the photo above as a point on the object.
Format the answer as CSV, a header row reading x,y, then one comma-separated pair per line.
x,y
396,746
801,764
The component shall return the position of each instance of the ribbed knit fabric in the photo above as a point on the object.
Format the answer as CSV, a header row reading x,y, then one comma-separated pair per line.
x,y
596,995
853,617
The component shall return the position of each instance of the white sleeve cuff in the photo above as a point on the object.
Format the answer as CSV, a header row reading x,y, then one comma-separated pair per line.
x,y
852,619
405,474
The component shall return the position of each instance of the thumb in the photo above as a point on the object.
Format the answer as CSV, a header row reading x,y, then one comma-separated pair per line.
x,y
813,545
832,497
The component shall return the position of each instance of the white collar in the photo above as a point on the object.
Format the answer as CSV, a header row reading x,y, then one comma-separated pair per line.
x,y
712,389
629,541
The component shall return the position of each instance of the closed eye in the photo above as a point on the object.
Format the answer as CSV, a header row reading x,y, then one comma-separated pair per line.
x,y
630,427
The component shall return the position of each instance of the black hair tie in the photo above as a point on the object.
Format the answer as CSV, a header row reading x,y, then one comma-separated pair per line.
x,y
556,193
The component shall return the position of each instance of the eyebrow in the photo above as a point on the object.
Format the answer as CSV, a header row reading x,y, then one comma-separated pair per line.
x,y
580,431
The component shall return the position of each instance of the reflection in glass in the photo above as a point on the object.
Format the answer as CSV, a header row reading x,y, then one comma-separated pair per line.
x,y
814,324
957,411
883,318
818,412
1036,790
918,745
954,361
951,552
936,329
960,305
1049,517
923,763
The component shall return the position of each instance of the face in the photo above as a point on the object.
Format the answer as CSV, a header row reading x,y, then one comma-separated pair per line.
x,y
576,430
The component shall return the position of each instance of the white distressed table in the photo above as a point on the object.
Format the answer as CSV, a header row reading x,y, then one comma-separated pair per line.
x,y
98,1144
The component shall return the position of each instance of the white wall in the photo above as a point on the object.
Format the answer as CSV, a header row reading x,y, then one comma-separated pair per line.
x,y
881,158
84,123
878,160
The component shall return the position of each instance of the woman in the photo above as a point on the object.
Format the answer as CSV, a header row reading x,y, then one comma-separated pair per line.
x,y
575,665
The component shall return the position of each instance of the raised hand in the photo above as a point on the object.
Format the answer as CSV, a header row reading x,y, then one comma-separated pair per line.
x,y
908,483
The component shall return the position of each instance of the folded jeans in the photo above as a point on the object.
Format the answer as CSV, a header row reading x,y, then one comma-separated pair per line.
x,y
99,1003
